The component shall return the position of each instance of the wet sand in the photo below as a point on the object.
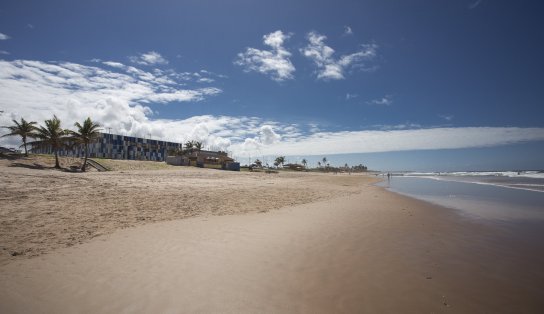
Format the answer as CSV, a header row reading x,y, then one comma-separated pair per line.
x,y
366,252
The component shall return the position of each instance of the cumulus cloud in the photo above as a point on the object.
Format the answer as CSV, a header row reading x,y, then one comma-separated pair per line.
x,y
348,30
149,58
268,136
329,67
119,98
274,63
4,36
386,100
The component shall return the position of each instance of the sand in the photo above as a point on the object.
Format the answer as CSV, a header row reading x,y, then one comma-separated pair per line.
x,y
349,248
47,209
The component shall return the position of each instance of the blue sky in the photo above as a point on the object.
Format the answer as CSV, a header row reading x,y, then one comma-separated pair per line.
x,y
411,85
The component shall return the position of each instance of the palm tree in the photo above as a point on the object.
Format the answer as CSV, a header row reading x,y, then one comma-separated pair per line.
x,y
189,145
52,134
197,145
304,162
280,160
85,134
319,164
23,129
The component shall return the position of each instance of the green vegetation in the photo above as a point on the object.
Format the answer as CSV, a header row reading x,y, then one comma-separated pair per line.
x,y
279,161
85,134
23,129
51,134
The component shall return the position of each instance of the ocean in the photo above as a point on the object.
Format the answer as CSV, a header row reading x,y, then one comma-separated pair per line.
x,y
510,196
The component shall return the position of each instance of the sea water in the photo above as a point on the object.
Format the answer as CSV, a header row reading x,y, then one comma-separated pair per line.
x,y
510,196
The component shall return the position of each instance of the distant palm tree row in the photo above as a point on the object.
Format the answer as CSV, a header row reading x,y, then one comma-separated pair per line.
x,y
53,135
188,147
193,145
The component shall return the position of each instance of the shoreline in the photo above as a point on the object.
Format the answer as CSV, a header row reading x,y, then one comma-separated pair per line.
x,y
376,251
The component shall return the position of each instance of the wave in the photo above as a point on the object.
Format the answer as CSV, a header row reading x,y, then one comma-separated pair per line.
x,y
480,179
509,174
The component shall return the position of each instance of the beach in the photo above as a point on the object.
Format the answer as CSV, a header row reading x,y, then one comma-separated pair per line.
x,y
194,240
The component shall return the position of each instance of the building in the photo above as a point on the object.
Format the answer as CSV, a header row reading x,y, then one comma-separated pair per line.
x,y
118,147
296,167
204,159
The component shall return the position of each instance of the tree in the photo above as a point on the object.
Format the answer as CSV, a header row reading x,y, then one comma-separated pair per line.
x,y
189,145
197,145
324,160
319,164
304,162
23,129
279,160
52,134
85,134
258,163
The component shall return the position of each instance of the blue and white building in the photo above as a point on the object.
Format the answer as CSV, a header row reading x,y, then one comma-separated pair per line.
x,y
118,147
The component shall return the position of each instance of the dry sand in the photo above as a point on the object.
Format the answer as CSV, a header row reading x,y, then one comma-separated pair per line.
x,y
360,249
47,209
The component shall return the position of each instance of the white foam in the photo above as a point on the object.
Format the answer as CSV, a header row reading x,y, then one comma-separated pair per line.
x,y
520,186
511,174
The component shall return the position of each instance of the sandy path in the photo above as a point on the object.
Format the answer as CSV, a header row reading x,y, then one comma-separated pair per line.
x,y
375,252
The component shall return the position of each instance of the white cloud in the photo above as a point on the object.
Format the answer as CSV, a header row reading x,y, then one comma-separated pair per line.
x,y
274,62
348,30
351,96
114,64
4,36
3,52
117,99
30,26
328,67
205,80
36,90
446,117
326,143
268,136
149,58
386,100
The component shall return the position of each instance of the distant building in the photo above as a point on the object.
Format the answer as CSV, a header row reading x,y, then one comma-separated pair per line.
x,y
204,159
294,167
118,147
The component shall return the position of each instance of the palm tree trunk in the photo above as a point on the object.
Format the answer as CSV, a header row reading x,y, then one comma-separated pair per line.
x,y
85,160
24,144
57,165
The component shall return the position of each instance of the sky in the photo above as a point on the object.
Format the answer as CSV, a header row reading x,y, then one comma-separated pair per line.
x,y
393,85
